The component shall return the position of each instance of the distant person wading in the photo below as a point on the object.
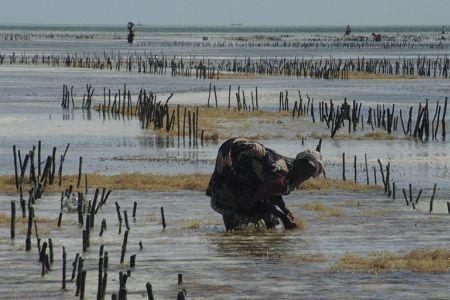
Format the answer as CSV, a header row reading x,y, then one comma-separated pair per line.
x,y
130,36
249,182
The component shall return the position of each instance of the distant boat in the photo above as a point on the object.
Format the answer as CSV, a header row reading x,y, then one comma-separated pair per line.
x,y
236,24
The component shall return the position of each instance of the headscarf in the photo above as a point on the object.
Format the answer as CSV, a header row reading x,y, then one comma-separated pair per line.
x,y
314,158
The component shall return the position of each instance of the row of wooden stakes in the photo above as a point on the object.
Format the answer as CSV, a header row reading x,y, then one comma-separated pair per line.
x,y
210,68
389,185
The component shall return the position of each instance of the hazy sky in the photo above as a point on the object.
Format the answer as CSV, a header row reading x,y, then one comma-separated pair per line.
x,y
223,12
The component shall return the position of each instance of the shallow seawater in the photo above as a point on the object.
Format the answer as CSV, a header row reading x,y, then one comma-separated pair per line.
x,y
161,39
271,264
216,265
112,144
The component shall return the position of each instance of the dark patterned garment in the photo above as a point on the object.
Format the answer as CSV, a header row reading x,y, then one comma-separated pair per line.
x,y
249,180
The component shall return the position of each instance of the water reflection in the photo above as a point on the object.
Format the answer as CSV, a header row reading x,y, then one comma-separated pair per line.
x,y
68,116
252,244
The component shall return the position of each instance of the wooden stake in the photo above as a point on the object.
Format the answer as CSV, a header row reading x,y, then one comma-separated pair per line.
x,y
59,219
343,166
209,94
148,286
404,195
375,175
80,166
215,95
163,219
124,247
418,196
127,225
367,169
229,96
85,184
64,257
83,284
50,248
432,198
134,209
13,219
133,261
15,167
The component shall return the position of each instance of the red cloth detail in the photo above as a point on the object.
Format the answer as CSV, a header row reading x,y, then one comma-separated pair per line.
x,y
271,187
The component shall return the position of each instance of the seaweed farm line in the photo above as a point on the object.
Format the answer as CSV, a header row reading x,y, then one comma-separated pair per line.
x,y
148,110
211,53
210,68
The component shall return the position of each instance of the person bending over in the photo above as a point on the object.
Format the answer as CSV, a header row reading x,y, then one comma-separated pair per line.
x,y
249,182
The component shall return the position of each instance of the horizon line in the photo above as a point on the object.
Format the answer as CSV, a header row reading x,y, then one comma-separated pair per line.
x,y
232,24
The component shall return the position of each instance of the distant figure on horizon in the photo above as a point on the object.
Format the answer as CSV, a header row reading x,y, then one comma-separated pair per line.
x,y
348,30
376,37
130,32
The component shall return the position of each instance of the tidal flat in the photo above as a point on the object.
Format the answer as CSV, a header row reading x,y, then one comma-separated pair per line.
x,y
373,226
